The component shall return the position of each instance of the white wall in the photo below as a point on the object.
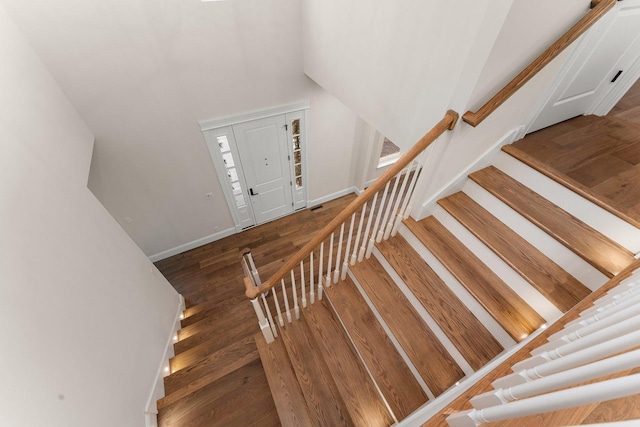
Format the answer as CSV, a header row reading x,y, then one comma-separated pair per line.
x,y
528,30
142,73
86,317
397,64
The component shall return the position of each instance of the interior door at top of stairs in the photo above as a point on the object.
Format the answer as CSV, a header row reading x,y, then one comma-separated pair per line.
x,y
265,158
603,60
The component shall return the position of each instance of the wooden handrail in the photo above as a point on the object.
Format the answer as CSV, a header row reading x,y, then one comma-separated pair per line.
x,y
600,8
447,123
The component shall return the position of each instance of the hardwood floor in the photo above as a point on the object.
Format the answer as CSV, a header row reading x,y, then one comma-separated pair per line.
x,y
597,157
228,376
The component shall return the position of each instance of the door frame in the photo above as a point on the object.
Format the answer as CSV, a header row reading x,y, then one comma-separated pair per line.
x,y
215,127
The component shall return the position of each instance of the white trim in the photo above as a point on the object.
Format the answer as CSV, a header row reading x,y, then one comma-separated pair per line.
x,y
456,183
192,245
332,196
254,115
157,392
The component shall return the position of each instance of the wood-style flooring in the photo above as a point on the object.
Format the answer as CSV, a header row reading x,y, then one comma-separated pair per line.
x,y
230,392
597,157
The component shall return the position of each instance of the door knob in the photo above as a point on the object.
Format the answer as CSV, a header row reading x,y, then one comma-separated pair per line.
x,y
252,193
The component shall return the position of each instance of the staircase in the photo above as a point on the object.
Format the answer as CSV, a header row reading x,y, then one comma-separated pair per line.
x,y
434,304
431,306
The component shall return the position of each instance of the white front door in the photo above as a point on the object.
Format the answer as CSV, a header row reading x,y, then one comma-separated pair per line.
x,y
264,154
608,50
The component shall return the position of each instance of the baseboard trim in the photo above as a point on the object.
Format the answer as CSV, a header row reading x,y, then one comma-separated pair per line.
x,y
332,196
157,391
192,245
457,182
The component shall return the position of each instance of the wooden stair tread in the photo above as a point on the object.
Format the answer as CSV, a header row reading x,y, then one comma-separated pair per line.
x,y
394,378
208,370
502,303
559,287
318,388
601,252
213,344
212,323
622,212
466,332
358,391
210,405
428,355
209,308
287,395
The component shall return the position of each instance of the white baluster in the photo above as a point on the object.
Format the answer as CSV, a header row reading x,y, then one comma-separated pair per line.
x,y
336,273
270,317
577,396
345,264
395,211
376,224
387,211
320,271
605,334
277,304
303,285
613,319
560,380
312,291
296,307
363,248
328,281
286,301
354,256
262,321
582,322
615,301
403,214
588,355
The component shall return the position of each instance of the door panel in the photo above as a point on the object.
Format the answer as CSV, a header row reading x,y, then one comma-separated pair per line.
x,y
608,47
264,155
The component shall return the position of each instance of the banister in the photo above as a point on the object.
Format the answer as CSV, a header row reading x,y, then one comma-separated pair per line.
x,y
448,122
599,9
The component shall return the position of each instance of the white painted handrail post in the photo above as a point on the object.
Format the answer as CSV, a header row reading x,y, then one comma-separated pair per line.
x,y
577,396
262,321
328,281
396,206
387,211
363,248
254,271
320,272
296,308
303,285
345,264
286,301
354,256
312,289
336,273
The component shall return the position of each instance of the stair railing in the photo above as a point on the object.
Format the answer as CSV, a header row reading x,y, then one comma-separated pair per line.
x,y
598,9
597,342
326,257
